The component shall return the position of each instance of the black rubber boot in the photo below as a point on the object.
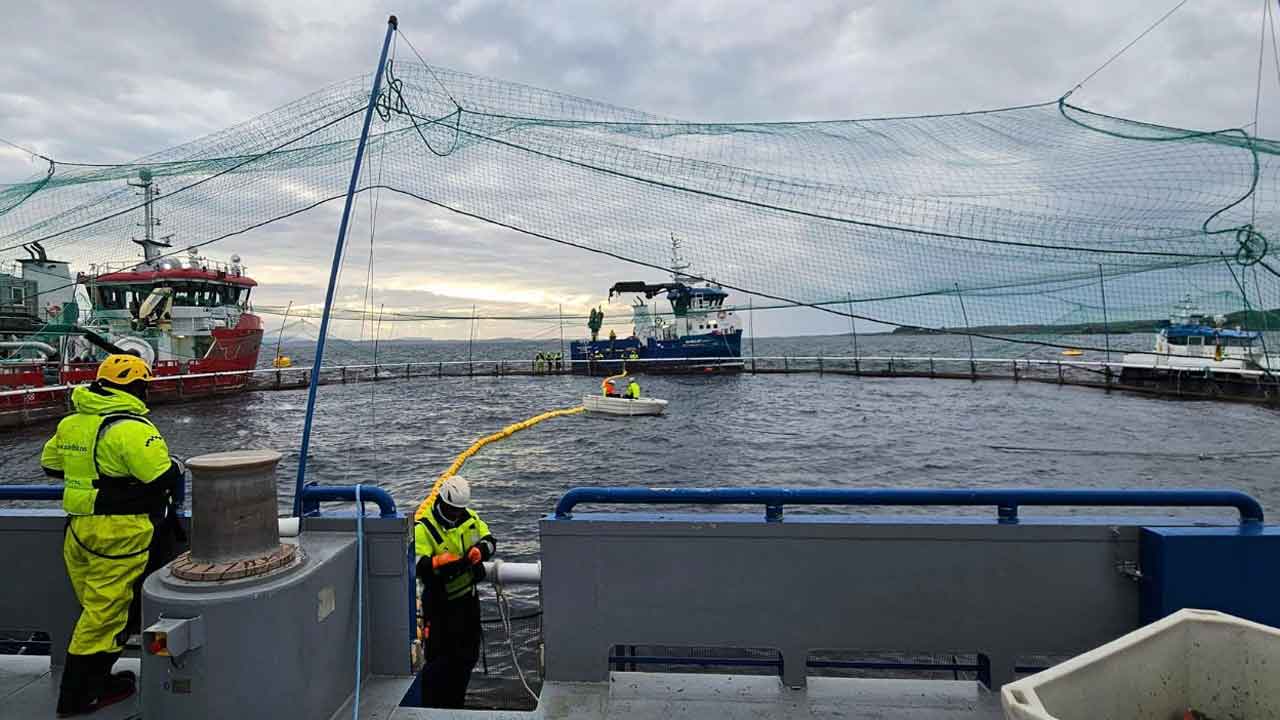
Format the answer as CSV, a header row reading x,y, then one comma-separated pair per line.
x,y
72,693
94,685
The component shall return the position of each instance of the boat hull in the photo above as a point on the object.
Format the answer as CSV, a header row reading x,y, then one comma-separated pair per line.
x,y
623,406
690,354
235,350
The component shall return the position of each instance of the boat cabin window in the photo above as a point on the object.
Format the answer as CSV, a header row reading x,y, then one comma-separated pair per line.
x,y
1195,340
113,297
1237,342
1178,340
207,295
17,298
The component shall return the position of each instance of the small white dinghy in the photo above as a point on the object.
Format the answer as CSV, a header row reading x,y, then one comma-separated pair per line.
x,y
624,406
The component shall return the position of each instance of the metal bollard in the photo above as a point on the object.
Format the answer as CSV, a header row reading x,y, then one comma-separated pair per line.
x,y
233,506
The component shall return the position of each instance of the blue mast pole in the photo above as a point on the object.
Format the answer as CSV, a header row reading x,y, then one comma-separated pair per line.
x,y
333,273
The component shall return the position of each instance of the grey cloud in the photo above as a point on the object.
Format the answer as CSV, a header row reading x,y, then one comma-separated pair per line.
x,y
115,82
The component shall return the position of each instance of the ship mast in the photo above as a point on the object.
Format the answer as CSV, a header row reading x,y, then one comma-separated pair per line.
x,y
151,248
678,264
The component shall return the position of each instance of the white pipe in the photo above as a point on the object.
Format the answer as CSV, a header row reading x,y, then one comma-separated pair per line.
x,y
513,573
507,573
42,348
288,527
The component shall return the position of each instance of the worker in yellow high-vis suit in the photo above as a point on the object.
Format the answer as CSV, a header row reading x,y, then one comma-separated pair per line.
x,y
118,493
451,543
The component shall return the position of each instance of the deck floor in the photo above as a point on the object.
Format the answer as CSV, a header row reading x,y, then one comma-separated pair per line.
x,y
28,689
671,696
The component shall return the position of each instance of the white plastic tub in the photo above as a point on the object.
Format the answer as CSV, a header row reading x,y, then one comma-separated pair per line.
x,y
1220,665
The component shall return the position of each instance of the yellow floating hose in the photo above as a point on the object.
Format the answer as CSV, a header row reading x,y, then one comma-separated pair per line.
x,y
605,382
475,447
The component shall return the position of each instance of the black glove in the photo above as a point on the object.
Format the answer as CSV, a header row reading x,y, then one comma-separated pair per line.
x,y
477,572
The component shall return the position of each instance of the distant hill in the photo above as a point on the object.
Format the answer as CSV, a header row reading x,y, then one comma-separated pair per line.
x,y
1247,319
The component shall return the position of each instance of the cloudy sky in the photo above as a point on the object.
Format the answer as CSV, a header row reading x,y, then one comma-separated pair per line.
x,y
113,81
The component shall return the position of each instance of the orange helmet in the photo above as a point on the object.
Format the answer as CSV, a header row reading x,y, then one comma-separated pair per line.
x,y
124,369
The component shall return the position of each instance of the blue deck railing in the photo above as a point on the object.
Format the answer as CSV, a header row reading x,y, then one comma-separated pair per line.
x,y
54,492
312,495
1006,501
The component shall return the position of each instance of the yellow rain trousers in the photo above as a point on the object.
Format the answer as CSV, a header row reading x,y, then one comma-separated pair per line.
x,y
105,557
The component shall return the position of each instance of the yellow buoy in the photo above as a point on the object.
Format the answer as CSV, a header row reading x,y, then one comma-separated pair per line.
x,y
282,361
1072,352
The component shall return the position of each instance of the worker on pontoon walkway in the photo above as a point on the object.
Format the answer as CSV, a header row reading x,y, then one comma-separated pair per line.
x,y
118,493
451,542
633,390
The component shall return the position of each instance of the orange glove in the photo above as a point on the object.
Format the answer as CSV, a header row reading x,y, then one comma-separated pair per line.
x,y
473,555
439,561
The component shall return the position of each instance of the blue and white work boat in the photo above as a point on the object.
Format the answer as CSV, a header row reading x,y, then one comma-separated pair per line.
x,y
1199,356
1193,341
700,334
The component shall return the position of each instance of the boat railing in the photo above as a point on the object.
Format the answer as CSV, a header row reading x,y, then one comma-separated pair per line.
x,y
176,262
50,493
998,596
1006,501
312,496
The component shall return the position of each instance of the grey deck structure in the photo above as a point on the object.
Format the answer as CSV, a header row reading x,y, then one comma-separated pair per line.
x,y
1002,589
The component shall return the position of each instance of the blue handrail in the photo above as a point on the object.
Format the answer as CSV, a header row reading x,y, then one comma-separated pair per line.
x,y
54,492
313,495
30,492
1006,501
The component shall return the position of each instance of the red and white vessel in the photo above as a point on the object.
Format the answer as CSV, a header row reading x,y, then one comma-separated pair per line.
x,y
188,316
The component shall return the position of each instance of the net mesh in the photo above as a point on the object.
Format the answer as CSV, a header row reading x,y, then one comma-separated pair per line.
x,y
1002,222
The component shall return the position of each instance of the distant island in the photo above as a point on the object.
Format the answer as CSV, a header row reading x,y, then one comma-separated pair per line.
x,y
1248,319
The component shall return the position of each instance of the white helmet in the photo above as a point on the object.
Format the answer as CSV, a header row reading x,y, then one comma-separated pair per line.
x,y
456,491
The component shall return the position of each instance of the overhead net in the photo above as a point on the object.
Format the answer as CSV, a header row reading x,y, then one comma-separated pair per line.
x,y
1000,222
